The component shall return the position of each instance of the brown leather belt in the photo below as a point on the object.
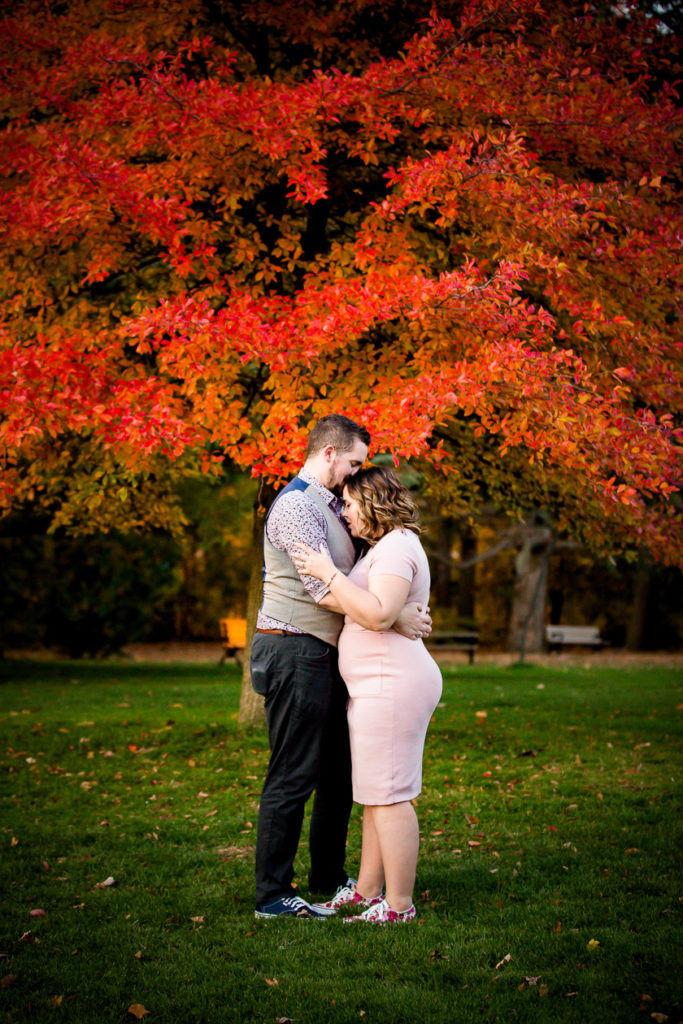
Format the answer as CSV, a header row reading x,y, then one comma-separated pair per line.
x,y
280,632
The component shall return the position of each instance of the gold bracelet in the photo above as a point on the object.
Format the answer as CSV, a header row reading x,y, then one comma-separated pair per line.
x,y
329,582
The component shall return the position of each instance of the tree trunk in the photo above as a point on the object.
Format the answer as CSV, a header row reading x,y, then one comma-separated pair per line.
x,y
636,624
443,563
251,704
527,619
466,582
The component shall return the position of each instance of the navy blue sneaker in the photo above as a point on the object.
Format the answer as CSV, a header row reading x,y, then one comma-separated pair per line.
x,y
288,906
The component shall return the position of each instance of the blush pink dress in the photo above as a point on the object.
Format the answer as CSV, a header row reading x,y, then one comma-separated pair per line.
x,y
394,684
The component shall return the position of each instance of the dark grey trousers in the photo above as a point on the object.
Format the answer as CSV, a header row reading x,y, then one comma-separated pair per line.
x,y
305,702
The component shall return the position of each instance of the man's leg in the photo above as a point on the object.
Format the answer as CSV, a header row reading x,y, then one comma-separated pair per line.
x,y
333,797
293,673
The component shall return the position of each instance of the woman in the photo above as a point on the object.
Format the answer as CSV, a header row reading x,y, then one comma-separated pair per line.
x,y
393,683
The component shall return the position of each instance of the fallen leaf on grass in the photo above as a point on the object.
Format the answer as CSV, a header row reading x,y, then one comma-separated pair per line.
x,y
532,980
506,960
198,920
660,1018
137,1010
106,883
542,990
28,937
56,1000
235,851
37,913
290,1020
271,981
8,980
593,944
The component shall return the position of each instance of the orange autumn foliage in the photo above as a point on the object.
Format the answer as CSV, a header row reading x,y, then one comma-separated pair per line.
x,y
221,225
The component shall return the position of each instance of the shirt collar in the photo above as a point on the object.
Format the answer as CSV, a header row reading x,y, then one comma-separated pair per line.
x,y
326,494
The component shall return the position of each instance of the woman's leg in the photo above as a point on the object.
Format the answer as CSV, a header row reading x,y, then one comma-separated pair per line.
x,y
371,873
399,841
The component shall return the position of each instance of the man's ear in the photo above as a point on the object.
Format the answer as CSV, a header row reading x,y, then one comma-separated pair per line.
x,y
329,452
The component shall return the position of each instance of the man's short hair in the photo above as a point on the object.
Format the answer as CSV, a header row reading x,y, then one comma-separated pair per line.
x,y
337,430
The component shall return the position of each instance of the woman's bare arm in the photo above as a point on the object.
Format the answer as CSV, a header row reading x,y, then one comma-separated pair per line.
x,y
376,608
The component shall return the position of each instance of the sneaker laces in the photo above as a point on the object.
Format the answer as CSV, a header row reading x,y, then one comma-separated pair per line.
x,y
296,903
347,895
343,895
375,912
383,914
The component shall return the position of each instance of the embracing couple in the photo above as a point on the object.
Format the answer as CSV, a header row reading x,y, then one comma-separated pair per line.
x,y
349,686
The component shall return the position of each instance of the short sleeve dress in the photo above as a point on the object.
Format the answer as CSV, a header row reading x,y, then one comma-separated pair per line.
x,y
394,684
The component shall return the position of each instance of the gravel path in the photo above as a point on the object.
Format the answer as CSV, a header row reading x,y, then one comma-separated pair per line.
x,y
209,653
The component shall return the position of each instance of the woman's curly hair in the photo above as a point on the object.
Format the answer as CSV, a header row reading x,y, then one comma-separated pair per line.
x,y
383,501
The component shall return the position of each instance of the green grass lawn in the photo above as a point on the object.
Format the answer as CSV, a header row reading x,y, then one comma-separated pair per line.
x,y
548,882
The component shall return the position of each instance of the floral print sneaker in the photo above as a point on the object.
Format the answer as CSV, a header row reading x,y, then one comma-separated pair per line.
x,y
347,896
381,913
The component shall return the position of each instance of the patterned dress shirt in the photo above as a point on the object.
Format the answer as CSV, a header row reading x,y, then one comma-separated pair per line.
x,y
295,519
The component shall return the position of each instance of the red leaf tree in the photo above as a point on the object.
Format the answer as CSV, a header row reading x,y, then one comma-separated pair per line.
x,y
459,229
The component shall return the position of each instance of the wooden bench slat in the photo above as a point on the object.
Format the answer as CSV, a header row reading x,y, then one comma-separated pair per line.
x,y
455,640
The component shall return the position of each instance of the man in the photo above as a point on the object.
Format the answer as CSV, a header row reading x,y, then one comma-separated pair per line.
x,y
294,667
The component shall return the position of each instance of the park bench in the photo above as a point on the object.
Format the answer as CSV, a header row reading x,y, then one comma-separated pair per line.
x,y
573,636
233,638
447,640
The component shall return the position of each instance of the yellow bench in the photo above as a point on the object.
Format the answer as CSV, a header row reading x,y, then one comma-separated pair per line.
x,y
233,638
